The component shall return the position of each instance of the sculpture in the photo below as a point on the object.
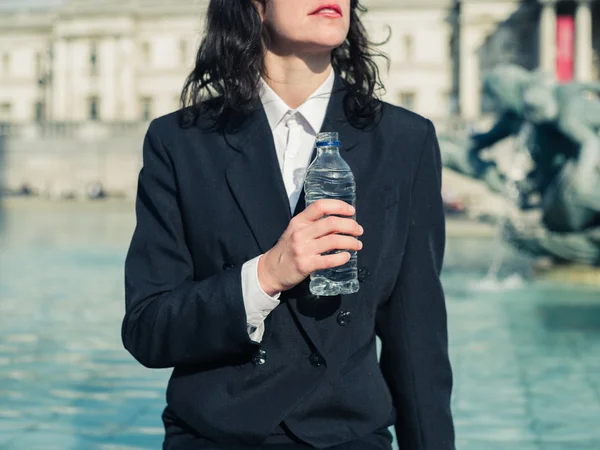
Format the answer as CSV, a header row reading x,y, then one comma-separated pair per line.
x,y
557,126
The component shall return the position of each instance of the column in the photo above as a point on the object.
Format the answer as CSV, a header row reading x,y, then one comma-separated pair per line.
x,y
129,84
547,37
108,52
583,41
470,75
60,85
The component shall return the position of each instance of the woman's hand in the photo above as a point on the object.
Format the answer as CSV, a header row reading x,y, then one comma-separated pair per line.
x,y
298,252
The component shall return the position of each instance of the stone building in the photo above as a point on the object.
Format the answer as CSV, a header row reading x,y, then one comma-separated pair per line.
x,y
126,60
102,60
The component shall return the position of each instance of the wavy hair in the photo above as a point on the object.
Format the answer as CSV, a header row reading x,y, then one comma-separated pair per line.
x,y
230,62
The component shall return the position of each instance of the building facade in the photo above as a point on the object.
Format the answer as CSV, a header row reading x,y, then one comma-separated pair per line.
x,y
419,35
126,60
96,60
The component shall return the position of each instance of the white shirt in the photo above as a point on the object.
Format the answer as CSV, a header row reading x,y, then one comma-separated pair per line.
x,y
294,134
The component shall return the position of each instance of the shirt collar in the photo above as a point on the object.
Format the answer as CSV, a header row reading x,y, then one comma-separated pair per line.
x,y
313,109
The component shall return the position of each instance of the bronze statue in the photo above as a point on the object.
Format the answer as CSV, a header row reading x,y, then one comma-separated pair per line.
x,y
558,126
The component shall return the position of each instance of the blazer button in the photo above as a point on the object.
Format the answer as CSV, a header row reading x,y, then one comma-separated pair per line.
x,y
227,266
344,318
363,274
259,358
316,360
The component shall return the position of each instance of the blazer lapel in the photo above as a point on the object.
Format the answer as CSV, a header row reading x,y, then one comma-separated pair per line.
x,y
255,179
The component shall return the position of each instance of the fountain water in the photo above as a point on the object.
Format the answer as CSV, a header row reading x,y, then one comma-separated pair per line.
x,y
516,174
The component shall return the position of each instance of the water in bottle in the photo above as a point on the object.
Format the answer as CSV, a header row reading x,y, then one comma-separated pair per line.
x,y
329,176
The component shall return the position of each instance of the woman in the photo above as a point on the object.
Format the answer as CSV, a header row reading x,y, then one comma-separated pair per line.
x,y
216,275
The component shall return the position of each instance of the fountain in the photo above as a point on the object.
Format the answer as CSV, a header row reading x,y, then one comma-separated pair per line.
x,y
520,160
555,159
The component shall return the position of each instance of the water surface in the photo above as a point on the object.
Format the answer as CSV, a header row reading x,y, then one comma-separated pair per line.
x,y
526,355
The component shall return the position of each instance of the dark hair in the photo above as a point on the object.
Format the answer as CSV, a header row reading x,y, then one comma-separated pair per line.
x,y
230,62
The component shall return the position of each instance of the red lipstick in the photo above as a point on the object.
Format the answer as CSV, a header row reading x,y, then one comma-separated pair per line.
x,y
328,10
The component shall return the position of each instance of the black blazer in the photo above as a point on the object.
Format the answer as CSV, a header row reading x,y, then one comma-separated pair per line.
x,y
209,201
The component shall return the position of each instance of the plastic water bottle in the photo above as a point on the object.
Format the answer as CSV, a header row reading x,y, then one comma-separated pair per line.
x,y
329,176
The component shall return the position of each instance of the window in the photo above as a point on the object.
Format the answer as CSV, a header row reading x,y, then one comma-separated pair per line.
x,y
94,59
146,58
183,52
408,47
407,99
40,111
5,111
146,108
94,108
5,64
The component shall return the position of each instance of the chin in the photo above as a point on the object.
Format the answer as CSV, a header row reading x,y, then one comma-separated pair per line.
x,y
327,41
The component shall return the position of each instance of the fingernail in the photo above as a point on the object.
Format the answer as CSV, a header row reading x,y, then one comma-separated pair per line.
x,y
362,230
360,244
352,209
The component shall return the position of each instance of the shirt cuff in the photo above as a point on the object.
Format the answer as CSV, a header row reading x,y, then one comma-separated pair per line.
x,y
257,303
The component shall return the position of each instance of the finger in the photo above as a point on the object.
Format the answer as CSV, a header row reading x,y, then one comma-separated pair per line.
x,y
336,242
329,261
331,225
326,207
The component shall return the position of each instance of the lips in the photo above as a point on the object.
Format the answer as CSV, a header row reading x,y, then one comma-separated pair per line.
x,y
328,10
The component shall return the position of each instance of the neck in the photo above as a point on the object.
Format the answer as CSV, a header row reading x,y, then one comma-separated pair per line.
x,y
295,78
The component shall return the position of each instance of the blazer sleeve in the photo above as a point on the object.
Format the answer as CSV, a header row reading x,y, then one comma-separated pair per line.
x,y
171,319
412,324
